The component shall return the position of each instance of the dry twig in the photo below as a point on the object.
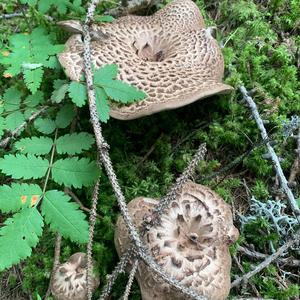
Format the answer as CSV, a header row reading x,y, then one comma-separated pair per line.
x,y
295,169
267,261
291,262
92,222
55,263
273,155
106,161
10,16
15,133
243,271
130,280
77,200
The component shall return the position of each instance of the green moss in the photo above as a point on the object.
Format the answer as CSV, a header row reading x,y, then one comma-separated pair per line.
x,y
261,45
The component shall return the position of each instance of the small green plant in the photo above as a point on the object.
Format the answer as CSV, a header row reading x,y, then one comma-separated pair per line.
x,y
39,165
33,204
260,43
106,87
30,54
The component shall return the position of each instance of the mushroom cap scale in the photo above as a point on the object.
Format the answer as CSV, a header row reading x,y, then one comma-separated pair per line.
x,y
69,280
190,244
169,55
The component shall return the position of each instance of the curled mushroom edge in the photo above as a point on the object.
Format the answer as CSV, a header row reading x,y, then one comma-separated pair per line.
x,y
170,55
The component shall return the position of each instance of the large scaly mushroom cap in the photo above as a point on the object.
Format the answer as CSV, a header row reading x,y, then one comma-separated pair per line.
x,y
191,244
169,55
69,281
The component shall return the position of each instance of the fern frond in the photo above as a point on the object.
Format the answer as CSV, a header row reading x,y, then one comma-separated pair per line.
x,y
21,166
64,216
19,235
74,172
16,196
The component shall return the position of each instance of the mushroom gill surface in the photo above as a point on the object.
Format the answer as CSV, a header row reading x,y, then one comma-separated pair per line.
x,y
169,55
69,280
190,244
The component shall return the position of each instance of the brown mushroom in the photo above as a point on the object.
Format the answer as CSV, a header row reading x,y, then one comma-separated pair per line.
x,y
69,280
170,55
190,244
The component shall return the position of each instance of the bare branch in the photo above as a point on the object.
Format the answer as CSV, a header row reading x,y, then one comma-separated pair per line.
x,y
15,133
176,188
10,16
120,268
55,263
291,262
273,155
295,169
130,280
243,271
267,261
77,200
106,161
91,239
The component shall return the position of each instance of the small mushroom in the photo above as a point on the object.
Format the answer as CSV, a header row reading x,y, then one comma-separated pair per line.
x,y
170,55
69,280
190,244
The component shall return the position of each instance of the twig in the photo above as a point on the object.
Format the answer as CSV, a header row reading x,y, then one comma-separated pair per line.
x,y
267,261
15,133
23,11
254,254
149,152
120,268
76,199
130,280
243,271
233,163
10,16
55,263
295,169
101,143
176,188
106,161
253,299
92,222
274,157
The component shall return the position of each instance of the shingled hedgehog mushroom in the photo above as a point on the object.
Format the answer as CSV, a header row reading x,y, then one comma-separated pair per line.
x,y
190,244
169,55
69,280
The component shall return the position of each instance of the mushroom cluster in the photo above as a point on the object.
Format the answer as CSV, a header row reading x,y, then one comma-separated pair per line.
x,y
169,55
190,244
69,280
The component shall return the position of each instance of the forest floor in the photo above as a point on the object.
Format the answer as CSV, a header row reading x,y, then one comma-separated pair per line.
x,y
261,45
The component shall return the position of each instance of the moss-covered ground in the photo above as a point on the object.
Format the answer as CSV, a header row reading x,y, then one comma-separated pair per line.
x,y
261,46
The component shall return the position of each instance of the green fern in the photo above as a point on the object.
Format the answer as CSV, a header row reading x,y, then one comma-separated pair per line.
x,y
45,125
16,196
75,172
62,6
77,92
74,143
30,54
19,235
106,87
35,145
21,166
64,216
65,116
